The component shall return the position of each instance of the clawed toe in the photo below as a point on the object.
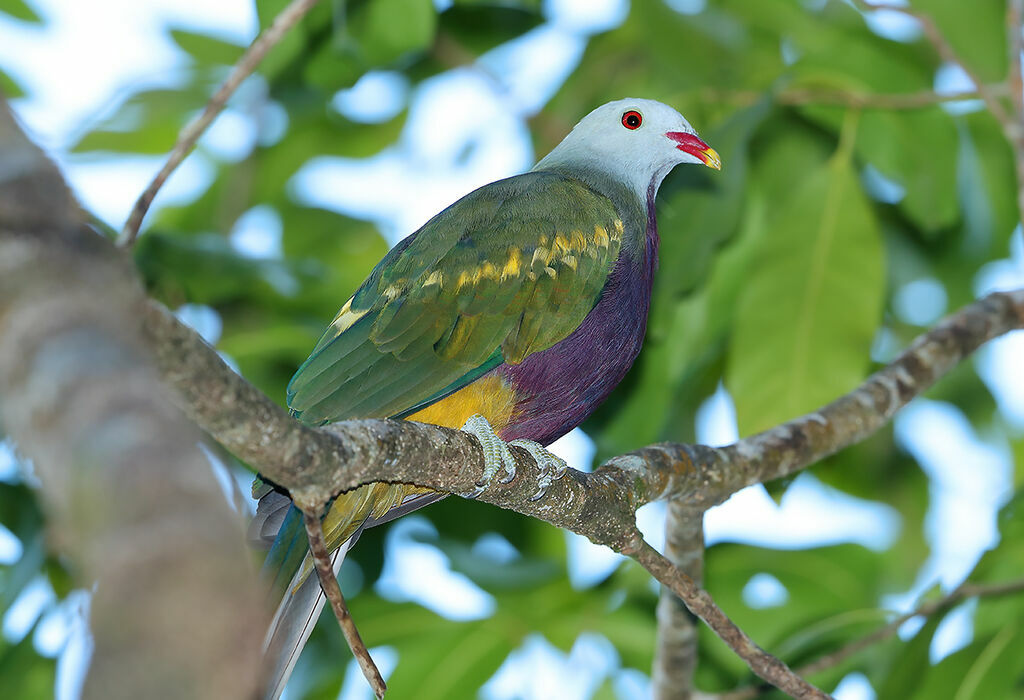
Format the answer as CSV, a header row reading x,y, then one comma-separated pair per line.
x,y
551,466
498,457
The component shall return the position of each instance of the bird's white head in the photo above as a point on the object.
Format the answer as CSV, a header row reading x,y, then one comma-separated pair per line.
x,y
635,141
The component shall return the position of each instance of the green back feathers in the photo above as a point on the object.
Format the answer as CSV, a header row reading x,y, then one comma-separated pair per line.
x,y
506,271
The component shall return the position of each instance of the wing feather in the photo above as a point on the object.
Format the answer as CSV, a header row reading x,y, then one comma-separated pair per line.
x,y
511,268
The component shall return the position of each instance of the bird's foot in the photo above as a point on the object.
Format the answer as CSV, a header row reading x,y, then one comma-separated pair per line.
x,y
497,455
551,466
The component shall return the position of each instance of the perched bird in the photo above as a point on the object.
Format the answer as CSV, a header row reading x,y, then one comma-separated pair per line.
x,y
512,314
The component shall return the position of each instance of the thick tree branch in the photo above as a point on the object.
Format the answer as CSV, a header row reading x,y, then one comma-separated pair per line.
x,y
130,498
188,137
675,658
316,464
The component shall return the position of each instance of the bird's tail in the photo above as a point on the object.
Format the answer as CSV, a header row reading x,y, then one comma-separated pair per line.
x,y
289,571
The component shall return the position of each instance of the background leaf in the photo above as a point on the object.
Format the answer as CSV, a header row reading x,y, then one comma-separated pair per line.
x,y
806,316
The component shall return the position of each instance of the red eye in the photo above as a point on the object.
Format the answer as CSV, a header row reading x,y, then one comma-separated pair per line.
x,y
632,119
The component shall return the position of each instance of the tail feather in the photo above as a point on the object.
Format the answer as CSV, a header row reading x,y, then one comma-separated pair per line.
x,y
292,624
288,572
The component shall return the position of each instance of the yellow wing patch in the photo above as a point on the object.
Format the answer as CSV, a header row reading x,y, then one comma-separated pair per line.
x,y
489,271
513,265
346,317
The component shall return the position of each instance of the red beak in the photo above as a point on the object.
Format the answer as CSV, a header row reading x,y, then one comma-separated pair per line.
x,y
688,143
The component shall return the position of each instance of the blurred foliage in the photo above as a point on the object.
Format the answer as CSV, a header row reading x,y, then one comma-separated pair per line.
x,y
778,279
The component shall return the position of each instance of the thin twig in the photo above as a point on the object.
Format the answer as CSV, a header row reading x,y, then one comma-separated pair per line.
x,y
945,51
700,604
893,101
188,137
1014,130
331,589
1012,124
1014,39
962,592
843,98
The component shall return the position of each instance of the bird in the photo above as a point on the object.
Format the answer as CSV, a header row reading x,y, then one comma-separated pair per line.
x,y
511,314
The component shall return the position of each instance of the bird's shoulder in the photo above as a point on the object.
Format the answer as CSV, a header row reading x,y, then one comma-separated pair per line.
x,y
509,233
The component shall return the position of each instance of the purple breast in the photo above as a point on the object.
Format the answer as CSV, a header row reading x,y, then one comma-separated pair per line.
x,y
561,386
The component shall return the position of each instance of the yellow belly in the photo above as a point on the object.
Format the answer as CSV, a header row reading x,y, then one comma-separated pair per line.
x,y
488,396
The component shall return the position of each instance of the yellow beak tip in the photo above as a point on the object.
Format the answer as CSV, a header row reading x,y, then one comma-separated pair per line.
x,y
712,159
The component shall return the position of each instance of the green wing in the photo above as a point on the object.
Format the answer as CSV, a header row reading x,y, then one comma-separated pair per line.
x,y
506,271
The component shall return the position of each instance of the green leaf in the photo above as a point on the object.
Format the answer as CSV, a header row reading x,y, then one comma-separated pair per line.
x,y
806,317
480,25
910,664
369,34
452,664
20,513
990,667
147,122
9,87
19,9
388,29
206,49
24,674
918,150
491,575
987,185
976,30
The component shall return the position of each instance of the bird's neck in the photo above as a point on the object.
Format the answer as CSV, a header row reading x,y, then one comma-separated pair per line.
x,y
651,238
636,208
634,172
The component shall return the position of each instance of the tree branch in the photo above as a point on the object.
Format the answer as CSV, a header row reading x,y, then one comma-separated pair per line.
x,y
962,592
945,51
188,137
316,464
675,659
130,499
844,98
1012,122
331,589
700,604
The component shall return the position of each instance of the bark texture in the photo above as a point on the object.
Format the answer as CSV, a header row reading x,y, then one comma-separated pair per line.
x,y
316,464
131,499
675,658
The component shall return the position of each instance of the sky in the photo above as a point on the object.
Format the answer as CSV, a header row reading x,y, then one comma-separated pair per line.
x,y
89,55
